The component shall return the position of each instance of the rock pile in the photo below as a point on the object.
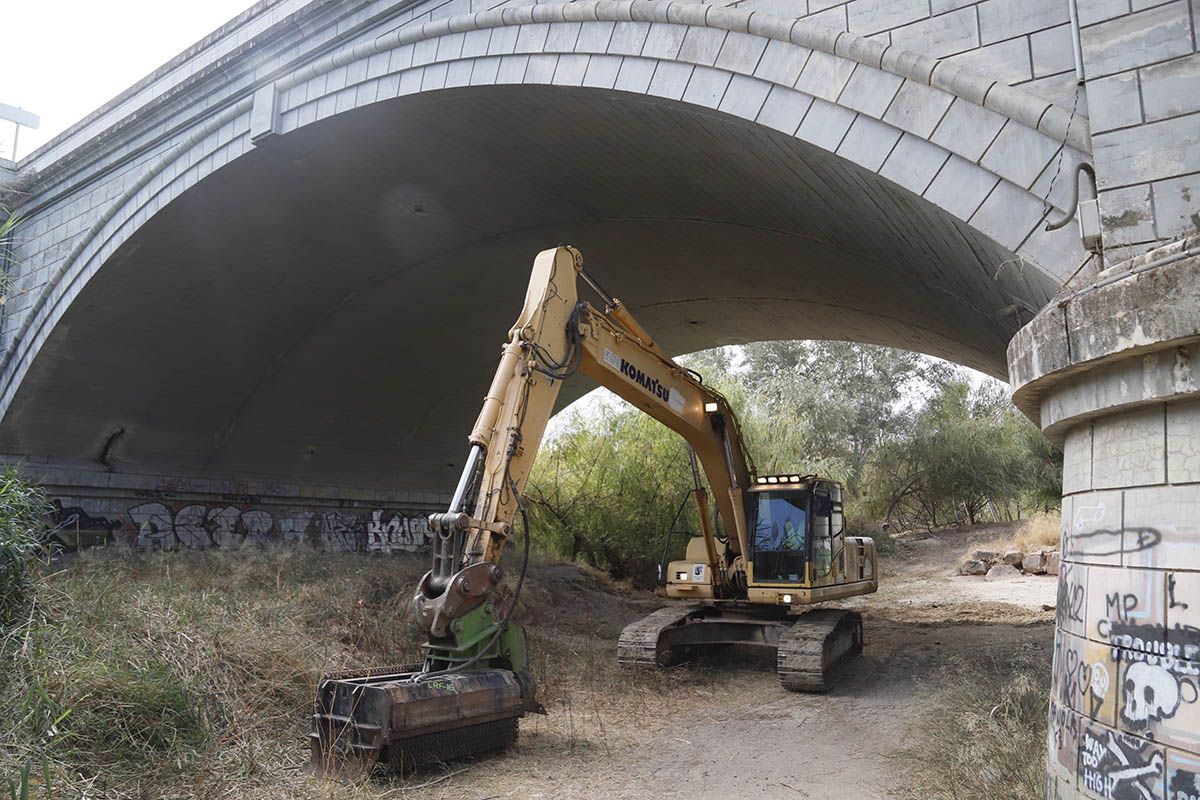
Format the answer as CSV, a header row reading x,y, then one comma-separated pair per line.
x,y
1011,563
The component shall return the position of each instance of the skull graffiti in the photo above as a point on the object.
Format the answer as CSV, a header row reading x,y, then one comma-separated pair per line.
x,y
1151,695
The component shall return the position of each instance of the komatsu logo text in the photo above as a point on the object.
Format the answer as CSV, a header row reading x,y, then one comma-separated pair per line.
x,y
667,394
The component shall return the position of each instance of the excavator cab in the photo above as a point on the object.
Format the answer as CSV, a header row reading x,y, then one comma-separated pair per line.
x,y
799,553
797,549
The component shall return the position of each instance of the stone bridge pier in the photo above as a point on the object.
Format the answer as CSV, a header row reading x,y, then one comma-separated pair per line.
x,y
1110,371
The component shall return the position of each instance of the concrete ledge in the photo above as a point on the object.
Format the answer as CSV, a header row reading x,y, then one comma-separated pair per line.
x,y
1134,311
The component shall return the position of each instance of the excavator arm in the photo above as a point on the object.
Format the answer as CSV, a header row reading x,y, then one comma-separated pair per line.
x,y
556,336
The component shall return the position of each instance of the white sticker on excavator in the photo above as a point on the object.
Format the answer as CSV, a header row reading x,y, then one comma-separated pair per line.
x,y
612,359
698,571
675,400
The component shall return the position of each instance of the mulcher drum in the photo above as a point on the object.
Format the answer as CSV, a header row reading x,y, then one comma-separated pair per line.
x,y
385,718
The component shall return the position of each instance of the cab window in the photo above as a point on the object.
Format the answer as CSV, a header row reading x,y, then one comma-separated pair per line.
x,y
780,536
822,509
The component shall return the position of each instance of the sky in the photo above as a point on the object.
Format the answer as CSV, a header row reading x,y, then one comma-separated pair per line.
x,y
62,59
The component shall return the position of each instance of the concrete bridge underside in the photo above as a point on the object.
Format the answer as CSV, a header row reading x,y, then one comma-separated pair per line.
x,y
328,307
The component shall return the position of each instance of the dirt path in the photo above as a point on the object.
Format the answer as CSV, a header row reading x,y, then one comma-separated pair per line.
x,y
725,728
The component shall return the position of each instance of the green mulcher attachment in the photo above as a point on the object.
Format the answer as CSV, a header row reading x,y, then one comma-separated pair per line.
x,y
464,700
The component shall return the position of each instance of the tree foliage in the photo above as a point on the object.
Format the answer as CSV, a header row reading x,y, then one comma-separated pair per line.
x,y
910,438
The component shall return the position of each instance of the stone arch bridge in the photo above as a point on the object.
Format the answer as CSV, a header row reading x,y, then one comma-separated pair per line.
x,y
260,292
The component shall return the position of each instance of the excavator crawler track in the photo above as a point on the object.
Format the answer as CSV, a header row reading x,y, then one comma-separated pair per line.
x,y
816,649
640,642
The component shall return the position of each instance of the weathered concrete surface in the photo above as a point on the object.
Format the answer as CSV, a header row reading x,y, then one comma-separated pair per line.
x,y
1108,372
1130,342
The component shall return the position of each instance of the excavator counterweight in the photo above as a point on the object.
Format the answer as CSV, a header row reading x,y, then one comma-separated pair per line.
x,y
784,548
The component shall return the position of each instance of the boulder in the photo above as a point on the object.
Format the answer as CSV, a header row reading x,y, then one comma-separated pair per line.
x,y
1002,572
974,567
1051,563
1013,558
986,556
1034,563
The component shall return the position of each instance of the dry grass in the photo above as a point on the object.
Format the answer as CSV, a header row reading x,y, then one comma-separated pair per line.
x,y
1030,535
1040,530
985,737
192,675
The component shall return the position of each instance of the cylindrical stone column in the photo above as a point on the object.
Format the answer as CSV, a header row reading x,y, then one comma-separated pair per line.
x,y
1110,372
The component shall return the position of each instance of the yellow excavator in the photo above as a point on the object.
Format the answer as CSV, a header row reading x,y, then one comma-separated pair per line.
x,y
783,548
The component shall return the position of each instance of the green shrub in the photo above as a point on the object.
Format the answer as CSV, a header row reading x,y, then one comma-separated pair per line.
x,y
22,507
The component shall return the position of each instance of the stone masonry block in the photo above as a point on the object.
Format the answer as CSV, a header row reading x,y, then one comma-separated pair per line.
x,y
1058,252
745,97
701,45
782,62
870,91
1072,597
531,38
1075,656
1093,11
1004,19
1183,612
594,37
968,129
571,70
741,53
871,16
1006,61
1153,151
868,142
1171,89
1183,447
825,76
961,187
1051,51
1162,527
1019,154
706,87
1008,215
602,71
825,125
484,70
635,75
1092,529
1114,102
1127,215
628,38
1132,40
663,41
940,36
562,37
1125,601
833,18
913,163
783,109
1077,459
1175,206
1129,449
670,80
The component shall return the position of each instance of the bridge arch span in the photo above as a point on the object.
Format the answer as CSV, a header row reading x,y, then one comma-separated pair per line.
x,y
875,193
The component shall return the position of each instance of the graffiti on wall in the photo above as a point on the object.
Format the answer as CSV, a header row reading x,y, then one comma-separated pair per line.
x,y
196,526
72,527
172,526
1184,785
1118,767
